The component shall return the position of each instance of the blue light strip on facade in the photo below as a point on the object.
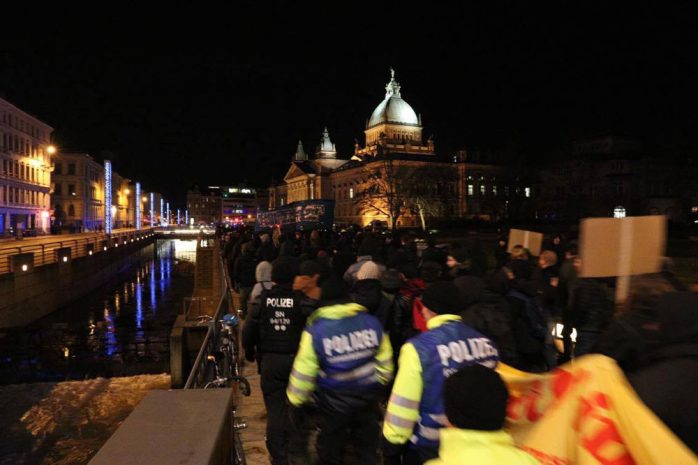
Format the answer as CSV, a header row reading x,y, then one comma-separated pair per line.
x,y
152,209
162,209
168,213
107,196
138,206
186,216
178,217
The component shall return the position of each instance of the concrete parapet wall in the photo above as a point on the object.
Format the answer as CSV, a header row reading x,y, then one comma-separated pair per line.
x,y
28,296
184,427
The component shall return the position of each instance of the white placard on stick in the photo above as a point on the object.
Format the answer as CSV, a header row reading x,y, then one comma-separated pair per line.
x,y
622,246
531,240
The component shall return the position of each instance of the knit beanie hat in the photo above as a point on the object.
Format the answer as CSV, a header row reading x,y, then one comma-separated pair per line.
x,y
369,270
334,291
475,397
283,270
471,289
442,297
311,268
248,247
263,272
461,255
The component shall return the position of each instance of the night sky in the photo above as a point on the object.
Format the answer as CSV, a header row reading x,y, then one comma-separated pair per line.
x,y
218,96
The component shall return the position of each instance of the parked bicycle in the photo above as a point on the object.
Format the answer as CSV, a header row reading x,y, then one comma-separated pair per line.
x,y
226,371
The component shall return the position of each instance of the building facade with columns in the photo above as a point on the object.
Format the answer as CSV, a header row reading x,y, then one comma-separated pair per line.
x,y
395,177
77,192
25,173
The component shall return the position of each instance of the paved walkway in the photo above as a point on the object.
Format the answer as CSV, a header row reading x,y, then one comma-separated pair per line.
x,y
253,410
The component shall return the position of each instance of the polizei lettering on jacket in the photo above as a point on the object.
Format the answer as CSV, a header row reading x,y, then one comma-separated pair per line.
x,y
280,302
350,346
473,350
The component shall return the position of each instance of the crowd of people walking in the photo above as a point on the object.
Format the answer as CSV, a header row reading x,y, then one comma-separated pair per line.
x,y
391,345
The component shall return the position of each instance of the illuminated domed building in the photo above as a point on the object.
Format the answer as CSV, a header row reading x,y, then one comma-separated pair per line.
x,y
395,168
394,127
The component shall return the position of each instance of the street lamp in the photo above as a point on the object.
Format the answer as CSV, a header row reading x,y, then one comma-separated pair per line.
x,y
51,149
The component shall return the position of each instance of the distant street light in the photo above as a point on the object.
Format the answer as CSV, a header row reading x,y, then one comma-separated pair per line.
x,y
51,149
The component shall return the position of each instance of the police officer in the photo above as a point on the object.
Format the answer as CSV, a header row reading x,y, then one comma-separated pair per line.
x,y
344,356
415,411
272,333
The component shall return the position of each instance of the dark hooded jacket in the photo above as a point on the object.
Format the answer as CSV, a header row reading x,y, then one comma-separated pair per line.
x,y
245,266
659,354
489,313
591,307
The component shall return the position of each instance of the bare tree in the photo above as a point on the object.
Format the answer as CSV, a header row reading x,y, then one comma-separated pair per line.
x,y
393,189
432,190
382,192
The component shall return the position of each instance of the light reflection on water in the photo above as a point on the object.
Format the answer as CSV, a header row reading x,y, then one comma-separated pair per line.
x,y
108,333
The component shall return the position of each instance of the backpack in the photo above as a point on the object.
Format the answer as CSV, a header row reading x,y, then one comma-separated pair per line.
x,y
529,318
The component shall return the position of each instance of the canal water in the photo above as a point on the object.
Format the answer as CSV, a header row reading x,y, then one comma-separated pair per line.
x,y
120,329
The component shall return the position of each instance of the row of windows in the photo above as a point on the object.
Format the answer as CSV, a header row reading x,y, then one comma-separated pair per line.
x,y
494,190
13,143
19,196
58,189
71,209
18,123
19,170
58,169
196,206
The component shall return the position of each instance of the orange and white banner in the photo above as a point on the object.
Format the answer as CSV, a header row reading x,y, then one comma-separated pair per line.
x,y
586,413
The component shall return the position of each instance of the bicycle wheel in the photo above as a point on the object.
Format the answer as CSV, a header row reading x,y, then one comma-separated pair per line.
x,y
238,450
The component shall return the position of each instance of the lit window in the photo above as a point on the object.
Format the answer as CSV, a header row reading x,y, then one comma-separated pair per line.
x,y
351,192
482,189
694,209
619,212
471,190
527,191
494,190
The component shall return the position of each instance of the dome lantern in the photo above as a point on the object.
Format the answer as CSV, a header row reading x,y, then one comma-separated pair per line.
x,y
393,109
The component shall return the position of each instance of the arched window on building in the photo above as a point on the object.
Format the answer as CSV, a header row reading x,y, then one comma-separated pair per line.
x,y
619,212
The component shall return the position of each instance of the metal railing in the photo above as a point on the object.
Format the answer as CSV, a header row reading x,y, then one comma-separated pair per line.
x,y
199,374
45,251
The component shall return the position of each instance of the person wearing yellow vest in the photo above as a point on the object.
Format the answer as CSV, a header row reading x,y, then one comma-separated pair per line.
x,y
415,413
346,359
475,401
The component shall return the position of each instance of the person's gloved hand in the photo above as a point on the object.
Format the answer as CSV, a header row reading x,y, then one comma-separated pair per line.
x,y
295,417
392,453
